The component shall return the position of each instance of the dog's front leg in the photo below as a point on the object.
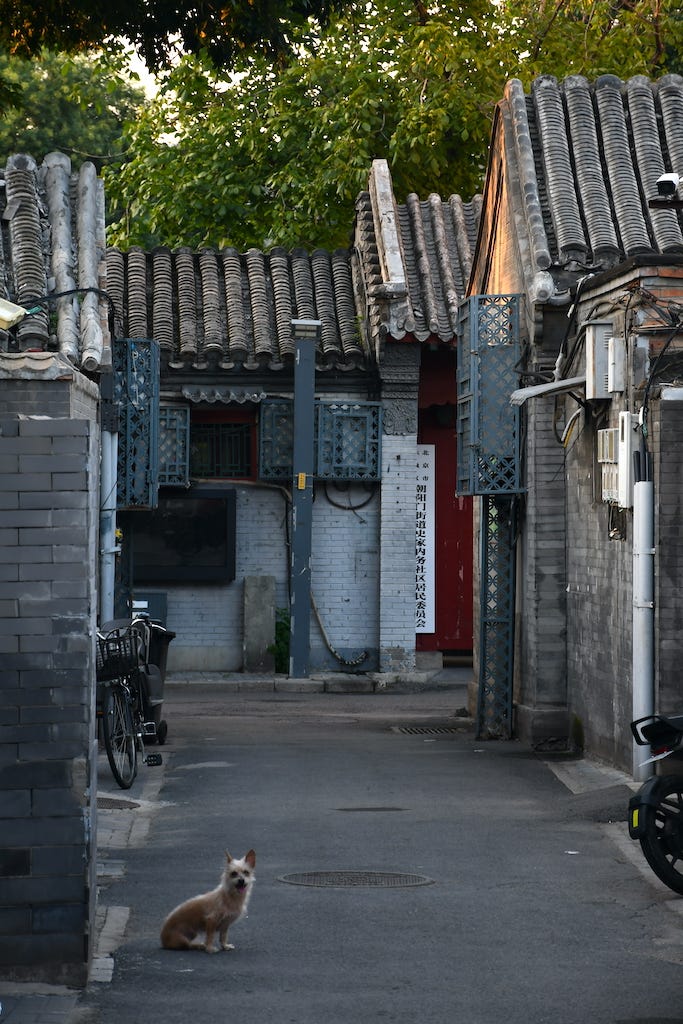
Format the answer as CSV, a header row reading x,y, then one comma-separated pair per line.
x,y
223,936
208,943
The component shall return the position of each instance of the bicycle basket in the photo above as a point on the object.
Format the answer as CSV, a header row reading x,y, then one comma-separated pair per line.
x,y
117,655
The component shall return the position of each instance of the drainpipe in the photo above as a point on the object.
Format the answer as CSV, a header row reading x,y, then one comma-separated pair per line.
x,y
643,607
108,479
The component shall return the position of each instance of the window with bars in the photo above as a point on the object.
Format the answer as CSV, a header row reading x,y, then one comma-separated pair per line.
x,y
174,445
221,449
214,445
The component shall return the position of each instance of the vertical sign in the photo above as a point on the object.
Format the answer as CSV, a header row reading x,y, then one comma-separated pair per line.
x,y
425,569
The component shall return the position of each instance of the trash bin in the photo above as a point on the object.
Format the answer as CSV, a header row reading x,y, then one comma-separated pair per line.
x,y
155,675
158,646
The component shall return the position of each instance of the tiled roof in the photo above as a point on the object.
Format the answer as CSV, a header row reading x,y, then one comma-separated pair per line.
x,y
52,241
413,261
587,156
213,310
208,310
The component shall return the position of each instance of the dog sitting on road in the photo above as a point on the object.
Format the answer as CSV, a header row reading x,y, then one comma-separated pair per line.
x,y
212,912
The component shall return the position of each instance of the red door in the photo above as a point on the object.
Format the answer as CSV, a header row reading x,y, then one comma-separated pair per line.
x,y
453,533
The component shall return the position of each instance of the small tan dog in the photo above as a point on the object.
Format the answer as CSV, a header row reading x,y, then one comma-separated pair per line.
x,y
212,912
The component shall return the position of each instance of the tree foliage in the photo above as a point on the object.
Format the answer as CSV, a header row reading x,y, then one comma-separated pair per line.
x,y
158,29
277,156
72,104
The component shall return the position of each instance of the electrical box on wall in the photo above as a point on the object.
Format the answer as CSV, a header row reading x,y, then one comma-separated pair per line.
x,y
608,457
616,364
616,446
628,438
598,334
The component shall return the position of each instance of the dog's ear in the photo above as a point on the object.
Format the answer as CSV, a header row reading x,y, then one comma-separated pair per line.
x,y
227,855
250,858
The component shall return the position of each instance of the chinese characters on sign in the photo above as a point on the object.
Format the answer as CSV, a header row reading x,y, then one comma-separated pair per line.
x,y
424,542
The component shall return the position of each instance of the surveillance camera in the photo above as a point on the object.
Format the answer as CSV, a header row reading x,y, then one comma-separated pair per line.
x,y
668,184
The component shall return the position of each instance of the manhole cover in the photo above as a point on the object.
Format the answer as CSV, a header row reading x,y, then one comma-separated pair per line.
x,y
427,730
356,879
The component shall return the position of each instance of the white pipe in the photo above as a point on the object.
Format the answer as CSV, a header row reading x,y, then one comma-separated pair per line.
x,y
108,549
643,614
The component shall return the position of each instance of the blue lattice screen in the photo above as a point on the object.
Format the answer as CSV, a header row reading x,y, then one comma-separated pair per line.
x,y
349,436
276,440
136,389
487,425
347,440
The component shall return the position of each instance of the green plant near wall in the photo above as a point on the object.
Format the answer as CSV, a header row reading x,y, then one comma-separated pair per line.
x,y
280,649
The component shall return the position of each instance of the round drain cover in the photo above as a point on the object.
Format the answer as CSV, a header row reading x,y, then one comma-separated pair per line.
x,y
355,879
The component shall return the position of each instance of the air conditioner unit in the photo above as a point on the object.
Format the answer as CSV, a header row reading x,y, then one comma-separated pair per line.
x,y
628,441
598,334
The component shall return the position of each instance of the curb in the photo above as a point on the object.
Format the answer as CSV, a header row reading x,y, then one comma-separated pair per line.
x,y
334,682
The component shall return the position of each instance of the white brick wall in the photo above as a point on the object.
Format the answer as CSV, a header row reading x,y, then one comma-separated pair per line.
x,y
397,588
208,619
345,572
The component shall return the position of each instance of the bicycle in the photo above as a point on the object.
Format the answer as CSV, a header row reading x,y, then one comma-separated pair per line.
x,y
130,698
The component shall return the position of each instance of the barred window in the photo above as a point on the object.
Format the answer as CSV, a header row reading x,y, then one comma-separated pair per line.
x,y
221,449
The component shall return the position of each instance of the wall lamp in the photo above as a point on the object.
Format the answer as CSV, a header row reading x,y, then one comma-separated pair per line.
x,y
307,330
10,314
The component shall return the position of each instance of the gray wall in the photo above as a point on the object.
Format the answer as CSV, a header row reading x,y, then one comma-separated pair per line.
x,y
667,443
48,531
541,653
209,620
599,604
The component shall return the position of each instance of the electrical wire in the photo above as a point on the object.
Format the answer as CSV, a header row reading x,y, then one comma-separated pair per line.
x,y
43,300
347,508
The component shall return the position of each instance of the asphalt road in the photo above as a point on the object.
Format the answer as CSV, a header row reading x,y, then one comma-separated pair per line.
x,y
532,913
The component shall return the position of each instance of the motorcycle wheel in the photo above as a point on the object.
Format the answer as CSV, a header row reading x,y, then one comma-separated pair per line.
x,y
662,843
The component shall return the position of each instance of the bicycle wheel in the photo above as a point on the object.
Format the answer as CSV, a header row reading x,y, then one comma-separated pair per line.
x,y
119,736
662,843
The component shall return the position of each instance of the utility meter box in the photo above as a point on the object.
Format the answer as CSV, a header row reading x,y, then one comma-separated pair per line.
x,y
628,440
598,334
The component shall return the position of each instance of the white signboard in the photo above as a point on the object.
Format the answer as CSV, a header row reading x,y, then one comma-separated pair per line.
x,y
425,568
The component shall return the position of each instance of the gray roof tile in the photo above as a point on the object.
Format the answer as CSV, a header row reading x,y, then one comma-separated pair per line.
x,y
225,309
52,241
588,156
413,261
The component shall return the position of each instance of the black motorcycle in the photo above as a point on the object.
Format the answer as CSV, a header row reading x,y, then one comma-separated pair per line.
x,y
656,810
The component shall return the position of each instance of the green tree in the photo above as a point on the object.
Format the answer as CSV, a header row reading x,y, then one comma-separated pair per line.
x,y
74,104
159,30
277,156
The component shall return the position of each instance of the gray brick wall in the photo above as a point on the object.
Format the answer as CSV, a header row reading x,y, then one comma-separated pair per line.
x,y
48,531
74,397
541,658
574,604
599,605
667,443
397,610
